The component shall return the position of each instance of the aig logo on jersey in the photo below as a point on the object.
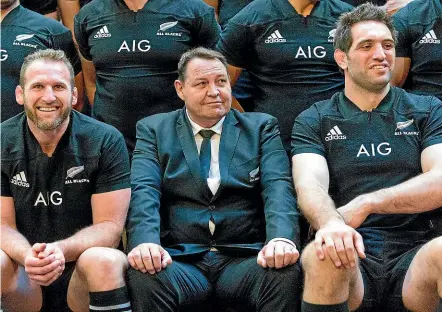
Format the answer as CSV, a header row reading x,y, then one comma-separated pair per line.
x,y
73,172
400,126
335,134
20,180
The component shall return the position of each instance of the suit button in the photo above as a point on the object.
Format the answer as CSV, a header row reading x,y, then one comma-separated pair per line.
x,y
212,207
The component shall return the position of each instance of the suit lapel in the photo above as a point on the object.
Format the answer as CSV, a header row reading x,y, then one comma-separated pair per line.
x,y
187,141
227,146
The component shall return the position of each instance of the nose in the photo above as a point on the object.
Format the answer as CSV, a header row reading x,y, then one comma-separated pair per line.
x,y
213,90
379,53
48,95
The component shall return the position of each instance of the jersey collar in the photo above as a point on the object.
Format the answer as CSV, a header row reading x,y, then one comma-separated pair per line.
x,y
349,109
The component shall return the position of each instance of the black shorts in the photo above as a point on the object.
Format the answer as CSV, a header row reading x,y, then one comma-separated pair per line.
x,y
55,295
383,271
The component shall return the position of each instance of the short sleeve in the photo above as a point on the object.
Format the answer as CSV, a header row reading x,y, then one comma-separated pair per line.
x,y
306,132
82,38
114,170
207,30
5,189
403,46
65,42
235,42
432,133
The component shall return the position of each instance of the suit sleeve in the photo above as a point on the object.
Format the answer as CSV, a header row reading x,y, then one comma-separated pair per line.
x,y
281,213
143,222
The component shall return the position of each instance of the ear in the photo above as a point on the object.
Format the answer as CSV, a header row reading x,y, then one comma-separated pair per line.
x,y
341,59
179,88
74,96
19,95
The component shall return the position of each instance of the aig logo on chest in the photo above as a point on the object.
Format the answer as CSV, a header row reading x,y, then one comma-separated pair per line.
x,y
53,198
135,46
372,150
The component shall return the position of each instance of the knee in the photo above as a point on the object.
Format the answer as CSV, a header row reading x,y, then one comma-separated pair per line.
x,y
321,269
101,263
433,250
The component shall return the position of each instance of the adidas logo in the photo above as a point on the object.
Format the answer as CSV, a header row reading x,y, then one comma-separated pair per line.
x,y
430,37
20,179
275,37
103,33
335,134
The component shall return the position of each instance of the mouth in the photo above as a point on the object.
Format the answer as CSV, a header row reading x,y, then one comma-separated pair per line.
x,y
47,109
379,66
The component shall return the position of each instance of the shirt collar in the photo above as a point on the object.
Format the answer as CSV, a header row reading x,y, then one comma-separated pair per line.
x,y
217,128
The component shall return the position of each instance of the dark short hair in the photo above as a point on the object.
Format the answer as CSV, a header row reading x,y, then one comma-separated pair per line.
x,y
365,12
201,53
46,55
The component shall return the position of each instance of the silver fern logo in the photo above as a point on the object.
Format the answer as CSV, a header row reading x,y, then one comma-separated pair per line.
x,y
254,175
403,124
74,171
166,26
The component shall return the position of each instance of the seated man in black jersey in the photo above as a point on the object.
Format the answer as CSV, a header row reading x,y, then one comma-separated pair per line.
x,y
213,211
367,167
65,192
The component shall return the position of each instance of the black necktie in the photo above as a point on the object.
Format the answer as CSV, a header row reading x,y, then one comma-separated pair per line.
x,y
205,153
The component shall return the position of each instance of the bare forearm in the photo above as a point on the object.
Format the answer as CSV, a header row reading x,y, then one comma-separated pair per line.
x,y
420,194
69,8
316,205
104,234
14,244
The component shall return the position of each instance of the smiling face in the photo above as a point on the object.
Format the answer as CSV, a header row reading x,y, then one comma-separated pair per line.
x,y
206,91
370,61
47,94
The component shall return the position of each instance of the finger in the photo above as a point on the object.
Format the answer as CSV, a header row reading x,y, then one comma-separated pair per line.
x,y
295,256
147,260
36,262
279,255
43,270
156,258
131,260
340,250
38,247
49,250
166,258
330,245
261,259
349,250
138,260
359,244
318,245
48,278
269,255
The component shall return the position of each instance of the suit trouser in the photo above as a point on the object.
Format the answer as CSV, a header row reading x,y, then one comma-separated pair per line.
x,y
216,280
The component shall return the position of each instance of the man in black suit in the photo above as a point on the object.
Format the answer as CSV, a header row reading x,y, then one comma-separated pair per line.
x,y
222,207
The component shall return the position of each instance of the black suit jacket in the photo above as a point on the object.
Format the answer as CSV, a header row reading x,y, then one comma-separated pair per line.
x,y
171,204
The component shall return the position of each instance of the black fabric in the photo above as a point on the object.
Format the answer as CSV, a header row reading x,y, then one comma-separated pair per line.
x,y
52,195
419,27
55,295
374,150
40,6
289,57
310,307
116,300
140,51
218,279
24,32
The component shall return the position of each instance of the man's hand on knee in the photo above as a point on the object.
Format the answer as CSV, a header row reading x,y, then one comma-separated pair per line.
x,y
149,257
44,263
340,242
277,254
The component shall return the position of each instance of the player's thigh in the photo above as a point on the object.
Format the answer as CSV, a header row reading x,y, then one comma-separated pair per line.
x,y
18,292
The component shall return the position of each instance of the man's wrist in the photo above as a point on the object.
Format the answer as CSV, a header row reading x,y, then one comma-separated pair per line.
x,y
282,239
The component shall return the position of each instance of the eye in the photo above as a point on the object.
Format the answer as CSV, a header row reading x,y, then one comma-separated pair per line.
x,y
37,86
201,84
59,87
366,46
388,46
222,81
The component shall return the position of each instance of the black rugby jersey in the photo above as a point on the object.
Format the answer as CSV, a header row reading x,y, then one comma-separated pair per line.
x,y
52,195
24,32
135,55
368,151
419,27
289,57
